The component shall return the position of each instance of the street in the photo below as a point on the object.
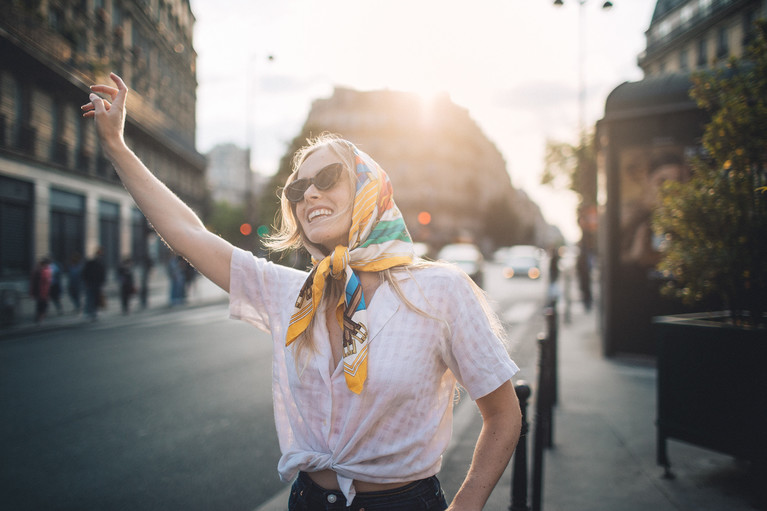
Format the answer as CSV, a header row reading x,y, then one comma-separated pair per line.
x,y
166,410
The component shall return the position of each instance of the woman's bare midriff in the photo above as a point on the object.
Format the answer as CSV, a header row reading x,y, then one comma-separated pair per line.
x,y
329,480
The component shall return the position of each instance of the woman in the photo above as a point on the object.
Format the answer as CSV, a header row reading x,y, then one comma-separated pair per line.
x,y
367,346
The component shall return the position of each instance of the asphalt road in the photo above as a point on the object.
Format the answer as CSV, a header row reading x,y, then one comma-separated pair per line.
x,y
166,410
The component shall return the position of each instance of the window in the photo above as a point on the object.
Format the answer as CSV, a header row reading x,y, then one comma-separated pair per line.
x,y
749,32
67,227
16,227
722,43
139,230
109,233
702,53
684,60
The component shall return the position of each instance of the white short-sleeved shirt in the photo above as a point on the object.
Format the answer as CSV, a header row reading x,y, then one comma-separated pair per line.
x,y
398,427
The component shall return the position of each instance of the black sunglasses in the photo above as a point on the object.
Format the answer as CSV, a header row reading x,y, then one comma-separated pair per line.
x,y
323,180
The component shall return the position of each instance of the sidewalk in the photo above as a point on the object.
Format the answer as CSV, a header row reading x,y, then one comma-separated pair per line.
x,y
201,292
603,456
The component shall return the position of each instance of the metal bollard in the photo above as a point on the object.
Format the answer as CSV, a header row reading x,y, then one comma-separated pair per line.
x,y
519,469
552,327
542,431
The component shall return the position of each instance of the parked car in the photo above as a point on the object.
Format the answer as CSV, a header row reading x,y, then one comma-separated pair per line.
x,y
467,257
522,265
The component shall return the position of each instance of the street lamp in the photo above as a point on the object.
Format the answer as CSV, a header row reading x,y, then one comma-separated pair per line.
x,y
249,199
581,56
587,241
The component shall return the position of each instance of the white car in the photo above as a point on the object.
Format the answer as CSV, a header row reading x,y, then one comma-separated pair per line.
x,y
467,257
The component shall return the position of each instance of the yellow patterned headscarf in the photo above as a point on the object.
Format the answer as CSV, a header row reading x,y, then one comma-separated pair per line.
x,y
378,239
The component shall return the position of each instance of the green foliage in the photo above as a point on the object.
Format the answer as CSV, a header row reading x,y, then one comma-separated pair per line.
x,y
715,225
225,220
573,167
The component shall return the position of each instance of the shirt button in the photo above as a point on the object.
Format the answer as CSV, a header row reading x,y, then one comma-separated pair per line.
x,y
332,498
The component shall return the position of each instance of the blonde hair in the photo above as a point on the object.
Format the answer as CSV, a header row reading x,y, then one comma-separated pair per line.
x,y
290,236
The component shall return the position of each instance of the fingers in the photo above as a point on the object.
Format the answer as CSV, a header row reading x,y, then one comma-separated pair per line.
x,y
89,109
98,103
117,94
122,91
105,89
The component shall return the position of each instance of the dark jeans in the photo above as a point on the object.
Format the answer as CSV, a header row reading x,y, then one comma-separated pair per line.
x,y
423,495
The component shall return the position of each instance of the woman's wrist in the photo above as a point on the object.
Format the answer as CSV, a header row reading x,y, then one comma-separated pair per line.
x,y
116,149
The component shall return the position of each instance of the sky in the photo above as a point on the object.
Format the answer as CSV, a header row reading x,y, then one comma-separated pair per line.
x,y
513,64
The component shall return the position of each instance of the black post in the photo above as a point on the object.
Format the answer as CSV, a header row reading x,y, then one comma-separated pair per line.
x,y
519,469
542,434
552,323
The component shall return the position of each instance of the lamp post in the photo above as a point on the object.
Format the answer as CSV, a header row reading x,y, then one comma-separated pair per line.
x,y
588,241
581,63
249,199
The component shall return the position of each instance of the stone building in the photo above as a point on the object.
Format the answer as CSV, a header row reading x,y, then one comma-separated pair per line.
x,y
229,174
58,194
439,162
649,131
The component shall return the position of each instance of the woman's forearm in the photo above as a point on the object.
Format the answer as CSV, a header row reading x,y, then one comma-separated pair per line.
x,y
502,422
169,215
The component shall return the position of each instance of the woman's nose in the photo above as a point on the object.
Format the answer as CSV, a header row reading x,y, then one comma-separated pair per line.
x,y
312,192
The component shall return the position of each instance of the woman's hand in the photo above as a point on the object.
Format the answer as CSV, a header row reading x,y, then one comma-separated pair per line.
x,y
110,117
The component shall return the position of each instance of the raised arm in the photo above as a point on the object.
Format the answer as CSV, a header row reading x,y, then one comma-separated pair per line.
x,y
173,220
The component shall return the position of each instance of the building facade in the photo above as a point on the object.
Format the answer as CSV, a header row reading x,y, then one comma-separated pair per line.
x,y
650,130
59,196
688,35
439,161
229,174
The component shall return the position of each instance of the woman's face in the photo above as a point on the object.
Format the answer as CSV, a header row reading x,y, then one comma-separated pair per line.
x,y
325,216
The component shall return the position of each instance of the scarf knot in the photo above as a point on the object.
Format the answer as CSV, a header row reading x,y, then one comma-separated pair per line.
x,y
340,259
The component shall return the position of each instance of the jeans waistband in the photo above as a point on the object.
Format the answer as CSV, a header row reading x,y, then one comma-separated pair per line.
x,y
423,491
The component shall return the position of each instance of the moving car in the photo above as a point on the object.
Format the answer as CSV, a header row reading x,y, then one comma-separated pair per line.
x,y
467,257
523,261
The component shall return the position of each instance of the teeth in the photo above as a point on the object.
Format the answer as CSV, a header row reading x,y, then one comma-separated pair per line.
x,y
318,212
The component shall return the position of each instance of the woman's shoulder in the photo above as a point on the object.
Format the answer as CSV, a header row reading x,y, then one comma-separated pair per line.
x,y
428,274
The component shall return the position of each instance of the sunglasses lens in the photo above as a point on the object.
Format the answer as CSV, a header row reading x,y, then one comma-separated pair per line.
x,y
295,190
323,180
328,176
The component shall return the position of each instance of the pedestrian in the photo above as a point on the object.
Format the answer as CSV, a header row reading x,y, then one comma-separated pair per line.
x,y
40,287
75,281
127,284
177,276
368,345
146,269
554,291
94,276
55,292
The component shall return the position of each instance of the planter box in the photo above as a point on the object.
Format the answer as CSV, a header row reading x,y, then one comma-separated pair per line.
x,y
712,386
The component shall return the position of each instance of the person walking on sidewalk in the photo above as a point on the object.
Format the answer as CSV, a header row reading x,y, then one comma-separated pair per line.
x,y
40,287
75,281
368,345
127,284
94,275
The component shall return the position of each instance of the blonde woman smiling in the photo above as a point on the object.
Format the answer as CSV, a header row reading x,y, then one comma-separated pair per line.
x,y
368,346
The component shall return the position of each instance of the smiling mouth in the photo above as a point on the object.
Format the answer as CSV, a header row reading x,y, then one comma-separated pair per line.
x,y
318,213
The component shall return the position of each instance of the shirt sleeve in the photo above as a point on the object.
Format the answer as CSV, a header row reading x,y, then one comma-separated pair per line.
x,y
474,353
261,292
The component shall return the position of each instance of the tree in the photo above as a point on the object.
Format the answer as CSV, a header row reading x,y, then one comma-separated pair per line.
x,y
715,225
573,167
225,220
